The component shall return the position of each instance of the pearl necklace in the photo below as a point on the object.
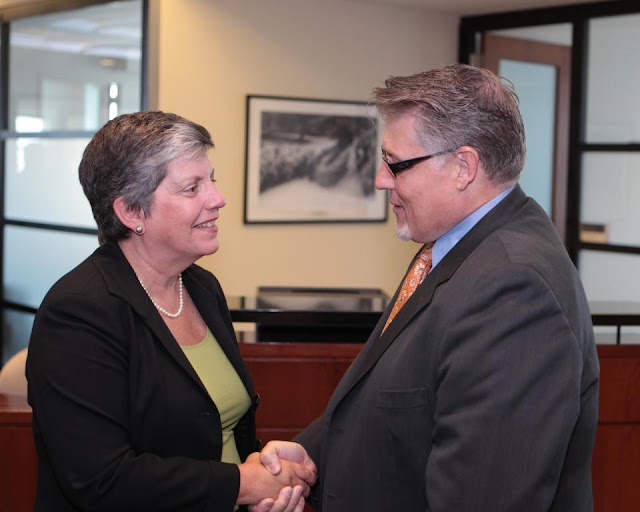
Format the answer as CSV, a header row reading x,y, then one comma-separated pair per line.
x,y
160,308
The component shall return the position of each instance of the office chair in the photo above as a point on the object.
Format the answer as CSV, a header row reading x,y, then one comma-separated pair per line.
x,y
12,377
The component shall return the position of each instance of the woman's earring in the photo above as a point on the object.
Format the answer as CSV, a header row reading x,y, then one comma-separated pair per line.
x,y
139,230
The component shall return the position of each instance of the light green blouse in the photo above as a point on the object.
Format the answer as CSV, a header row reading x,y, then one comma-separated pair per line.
x,y
224,387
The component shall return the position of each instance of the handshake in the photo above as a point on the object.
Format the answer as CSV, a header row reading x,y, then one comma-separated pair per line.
x,y
283,472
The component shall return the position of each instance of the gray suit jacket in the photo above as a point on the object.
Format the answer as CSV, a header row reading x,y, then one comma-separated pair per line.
x,y
482,395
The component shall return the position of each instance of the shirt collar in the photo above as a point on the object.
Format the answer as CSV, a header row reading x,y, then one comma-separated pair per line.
x,y
447,241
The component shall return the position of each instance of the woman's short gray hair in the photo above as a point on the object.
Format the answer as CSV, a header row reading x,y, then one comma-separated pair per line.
x,y
128,158
461,105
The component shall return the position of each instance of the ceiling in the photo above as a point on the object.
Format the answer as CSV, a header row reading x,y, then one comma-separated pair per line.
x,y
113,29
475,7
109,30
458,7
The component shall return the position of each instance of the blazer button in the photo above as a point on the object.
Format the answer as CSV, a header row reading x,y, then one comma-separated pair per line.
x,y
205,413
256,401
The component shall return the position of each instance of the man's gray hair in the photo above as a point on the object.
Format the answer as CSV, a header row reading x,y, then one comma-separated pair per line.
x,y
461,105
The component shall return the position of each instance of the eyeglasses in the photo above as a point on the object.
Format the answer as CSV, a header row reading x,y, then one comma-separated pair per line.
x,y
397,167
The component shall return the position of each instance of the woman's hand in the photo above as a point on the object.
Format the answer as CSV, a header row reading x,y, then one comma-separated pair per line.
x,y
257,483
289,500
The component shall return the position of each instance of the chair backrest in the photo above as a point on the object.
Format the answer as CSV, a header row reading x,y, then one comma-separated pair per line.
x,y
12,377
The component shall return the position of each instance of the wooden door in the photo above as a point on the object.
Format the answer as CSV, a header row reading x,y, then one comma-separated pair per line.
x,y
497,48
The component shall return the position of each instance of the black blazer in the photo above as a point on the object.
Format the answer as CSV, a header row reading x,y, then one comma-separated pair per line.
x,y
120,418
482,395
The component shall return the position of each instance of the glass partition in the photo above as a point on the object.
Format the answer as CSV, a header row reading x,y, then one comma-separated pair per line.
x,y
536,87
41,182
610,276
612,80
16,330
68,73
34,259
74,70
610,210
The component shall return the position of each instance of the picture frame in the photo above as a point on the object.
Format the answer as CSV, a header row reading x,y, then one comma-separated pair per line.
x,y
312,161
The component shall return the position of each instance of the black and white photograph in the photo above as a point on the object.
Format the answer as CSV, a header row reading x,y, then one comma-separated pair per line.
x,y
312,161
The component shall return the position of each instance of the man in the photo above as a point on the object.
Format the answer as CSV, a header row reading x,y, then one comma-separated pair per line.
x,y
480,391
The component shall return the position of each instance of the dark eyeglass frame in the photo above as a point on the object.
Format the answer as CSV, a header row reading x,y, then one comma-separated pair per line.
x,y
397,167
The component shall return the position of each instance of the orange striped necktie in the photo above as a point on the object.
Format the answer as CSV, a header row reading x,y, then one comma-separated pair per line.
x,y
419,270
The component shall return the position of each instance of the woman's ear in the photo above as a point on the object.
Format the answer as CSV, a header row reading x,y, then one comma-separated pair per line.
x,y
468,162
131,218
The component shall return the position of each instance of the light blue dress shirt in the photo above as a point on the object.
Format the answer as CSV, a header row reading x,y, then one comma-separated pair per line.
x,y
448,241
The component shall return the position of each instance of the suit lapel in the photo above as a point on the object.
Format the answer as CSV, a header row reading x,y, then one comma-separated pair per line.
x,y
122,282
377,345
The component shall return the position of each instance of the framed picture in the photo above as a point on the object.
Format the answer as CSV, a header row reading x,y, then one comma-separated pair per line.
x,y
312,161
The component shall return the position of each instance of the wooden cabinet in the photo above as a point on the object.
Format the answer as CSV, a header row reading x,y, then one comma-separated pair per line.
x,y
616,456
17,455
295,382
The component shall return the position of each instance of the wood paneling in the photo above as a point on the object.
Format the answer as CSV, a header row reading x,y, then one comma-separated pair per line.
x,y
619,384
616,456
616,468
295,382
17,455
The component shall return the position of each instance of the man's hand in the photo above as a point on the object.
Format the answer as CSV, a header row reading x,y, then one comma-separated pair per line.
x,y
292,456
276,451
257,483
272,457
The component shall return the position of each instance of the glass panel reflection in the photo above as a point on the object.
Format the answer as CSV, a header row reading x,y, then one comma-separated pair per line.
x,y
608,335
16,331
605,334
612,78
630,335
64,67
535,85
34,259
41,182
609,209
609,276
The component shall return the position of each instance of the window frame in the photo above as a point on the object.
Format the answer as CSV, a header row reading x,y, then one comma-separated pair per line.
x,y
579,17
7,15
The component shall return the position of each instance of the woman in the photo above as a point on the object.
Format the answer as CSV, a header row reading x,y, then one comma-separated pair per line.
x,y
140,398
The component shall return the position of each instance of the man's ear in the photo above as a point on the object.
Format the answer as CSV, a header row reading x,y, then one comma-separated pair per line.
x,y
468,163
130,218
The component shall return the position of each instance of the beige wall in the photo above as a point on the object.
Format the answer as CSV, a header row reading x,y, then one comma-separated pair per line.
x,y
212,53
